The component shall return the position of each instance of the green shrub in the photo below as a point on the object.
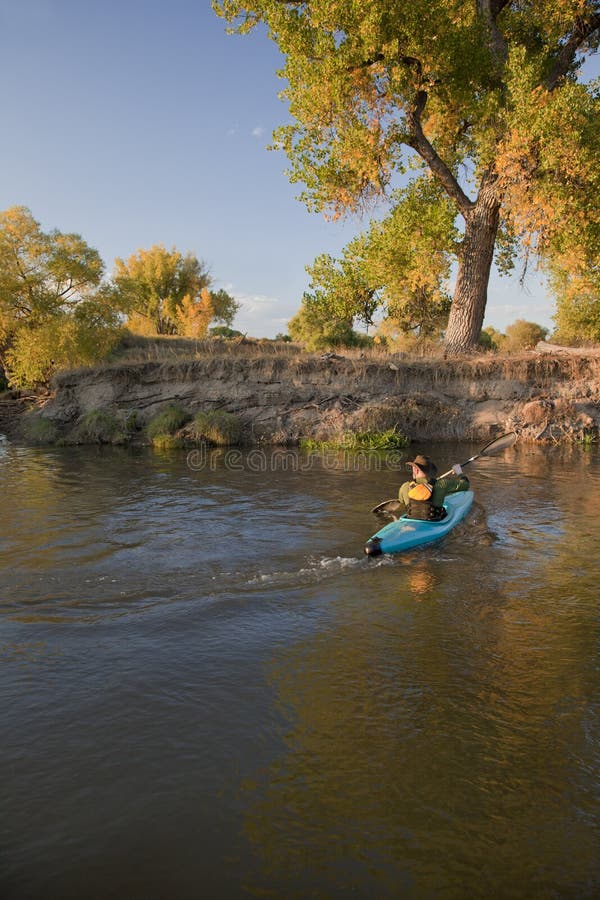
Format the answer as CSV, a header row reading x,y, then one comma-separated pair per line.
x,y
486,341
492,339
165,424
224,331
37,430
588,439
130,422
381,441
318,329
220,428
391,439
63,342
98,427
522,335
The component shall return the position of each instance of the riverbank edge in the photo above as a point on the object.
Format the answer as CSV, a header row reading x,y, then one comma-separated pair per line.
x,y
281,399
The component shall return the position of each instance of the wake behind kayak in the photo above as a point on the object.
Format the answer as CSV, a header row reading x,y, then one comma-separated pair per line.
x,y
406,533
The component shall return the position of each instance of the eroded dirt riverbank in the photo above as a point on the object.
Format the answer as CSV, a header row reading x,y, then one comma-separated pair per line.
x,y
283,397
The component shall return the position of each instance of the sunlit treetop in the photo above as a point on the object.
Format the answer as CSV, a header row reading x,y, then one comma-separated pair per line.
x,y
41,272
368,82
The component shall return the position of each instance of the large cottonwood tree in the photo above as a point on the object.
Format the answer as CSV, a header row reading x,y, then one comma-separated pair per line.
x,y
483,94
42,273
55,312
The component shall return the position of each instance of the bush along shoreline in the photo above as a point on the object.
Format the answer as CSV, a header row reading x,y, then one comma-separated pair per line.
x,y
175,428
172,428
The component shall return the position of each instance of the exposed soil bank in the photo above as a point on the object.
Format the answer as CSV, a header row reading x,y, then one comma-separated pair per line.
x,y
547,396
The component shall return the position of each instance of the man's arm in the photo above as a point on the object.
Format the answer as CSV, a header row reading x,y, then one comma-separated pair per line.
x,y
450,484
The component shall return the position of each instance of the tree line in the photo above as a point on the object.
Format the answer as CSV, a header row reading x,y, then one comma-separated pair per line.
x,y
59,310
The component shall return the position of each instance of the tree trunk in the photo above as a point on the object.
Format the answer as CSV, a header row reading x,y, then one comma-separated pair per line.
x,y
475,262
165,325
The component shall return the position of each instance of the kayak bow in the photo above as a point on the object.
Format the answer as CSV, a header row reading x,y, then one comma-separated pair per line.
x,y
405,533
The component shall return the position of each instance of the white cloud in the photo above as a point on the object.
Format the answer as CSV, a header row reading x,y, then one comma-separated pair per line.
x,y
260,315
258,131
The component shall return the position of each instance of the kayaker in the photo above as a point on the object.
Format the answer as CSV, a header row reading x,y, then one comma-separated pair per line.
x,y
424,495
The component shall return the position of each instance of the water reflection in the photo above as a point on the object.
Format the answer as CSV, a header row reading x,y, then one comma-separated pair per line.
x,y
433,765
421,582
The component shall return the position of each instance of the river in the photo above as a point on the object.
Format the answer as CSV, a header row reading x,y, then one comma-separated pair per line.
x,y
207,690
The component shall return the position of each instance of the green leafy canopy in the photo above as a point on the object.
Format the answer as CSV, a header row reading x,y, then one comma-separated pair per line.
x,y
54,311
483,95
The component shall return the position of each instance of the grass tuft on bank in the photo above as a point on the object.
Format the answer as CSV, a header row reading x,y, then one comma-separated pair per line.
x,y
372,441
39,431
98,427
162,428
217,427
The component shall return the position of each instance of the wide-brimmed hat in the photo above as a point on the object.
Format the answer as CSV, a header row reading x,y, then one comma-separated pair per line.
x,y
425,463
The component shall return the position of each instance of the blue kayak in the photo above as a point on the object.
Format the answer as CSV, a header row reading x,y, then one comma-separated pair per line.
x,y
405,533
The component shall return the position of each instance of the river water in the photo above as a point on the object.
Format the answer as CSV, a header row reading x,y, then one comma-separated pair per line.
x,y
207,690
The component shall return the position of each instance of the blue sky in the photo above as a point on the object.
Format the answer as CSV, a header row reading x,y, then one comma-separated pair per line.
x,y
141,122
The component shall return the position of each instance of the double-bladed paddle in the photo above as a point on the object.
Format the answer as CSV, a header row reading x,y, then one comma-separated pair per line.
x,y
500,443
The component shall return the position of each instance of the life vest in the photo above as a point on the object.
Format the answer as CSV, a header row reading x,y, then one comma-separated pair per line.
x,y
420,505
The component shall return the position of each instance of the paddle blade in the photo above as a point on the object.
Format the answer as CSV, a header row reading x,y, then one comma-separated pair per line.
x,y
501,443
495,446
388,507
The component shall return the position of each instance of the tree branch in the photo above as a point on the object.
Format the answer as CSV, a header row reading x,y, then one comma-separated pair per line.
x,y
410,61
582,30
366,63
23,275
489,10
497,6
18,307
66,290
418,141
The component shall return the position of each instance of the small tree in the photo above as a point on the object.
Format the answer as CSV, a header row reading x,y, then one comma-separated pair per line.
x,y
164,292
224,307
522,335
408,254
196,314
154,283
399,269
317,330
578,305
492,339
224,331
341,290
